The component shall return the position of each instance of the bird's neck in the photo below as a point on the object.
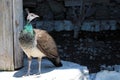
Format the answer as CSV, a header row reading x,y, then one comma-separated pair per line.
x,y
28,29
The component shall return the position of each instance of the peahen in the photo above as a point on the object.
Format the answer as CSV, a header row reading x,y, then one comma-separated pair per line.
x,y
38,43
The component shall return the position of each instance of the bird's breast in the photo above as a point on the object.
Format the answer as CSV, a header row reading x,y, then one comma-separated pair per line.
x,y
34,52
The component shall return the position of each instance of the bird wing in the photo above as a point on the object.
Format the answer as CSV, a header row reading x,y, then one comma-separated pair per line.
x,y
46,44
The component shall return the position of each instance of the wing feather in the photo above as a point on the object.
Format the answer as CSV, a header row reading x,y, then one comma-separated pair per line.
x,y
46,43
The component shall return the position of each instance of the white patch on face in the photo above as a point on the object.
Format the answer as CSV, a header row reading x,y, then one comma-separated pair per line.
x,y
31,16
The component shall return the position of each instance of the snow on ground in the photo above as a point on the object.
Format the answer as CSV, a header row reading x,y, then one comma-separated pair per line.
x,y
107,75
69,71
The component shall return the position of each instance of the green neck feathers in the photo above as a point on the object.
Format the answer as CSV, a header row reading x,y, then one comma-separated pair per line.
x,y
28,29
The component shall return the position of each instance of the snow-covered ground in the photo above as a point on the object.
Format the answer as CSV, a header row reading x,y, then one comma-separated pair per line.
x,y
107,75
67,25
69,71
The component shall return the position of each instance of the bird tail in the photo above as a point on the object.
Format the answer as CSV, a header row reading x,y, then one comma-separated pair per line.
x,y
56,61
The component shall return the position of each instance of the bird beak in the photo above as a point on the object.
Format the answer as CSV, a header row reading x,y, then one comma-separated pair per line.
x,y
37,16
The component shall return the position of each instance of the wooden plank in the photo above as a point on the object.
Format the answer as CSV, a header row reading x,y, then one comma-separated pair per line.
x,y
6,35
17,25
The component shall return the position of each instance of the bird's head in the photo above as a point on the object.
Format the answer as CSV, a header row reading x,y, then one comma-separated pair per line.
x,y
31,16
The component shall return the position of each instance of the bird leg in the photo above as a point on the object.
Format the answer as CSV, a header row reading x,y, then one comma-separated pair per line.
x,y
29,66
39,66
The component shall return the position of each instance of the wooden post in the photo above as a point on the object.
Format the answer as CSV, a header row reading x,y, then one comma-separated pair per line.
x,y
11,22
17,26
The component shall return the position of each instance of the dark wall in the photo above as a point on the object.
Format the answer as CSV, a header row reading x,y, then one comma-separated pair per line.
x,y
91,48
61,9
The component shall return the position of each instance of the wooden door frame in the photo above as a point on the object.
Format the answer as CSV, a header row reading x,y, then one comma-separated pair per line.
x,y
11,22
